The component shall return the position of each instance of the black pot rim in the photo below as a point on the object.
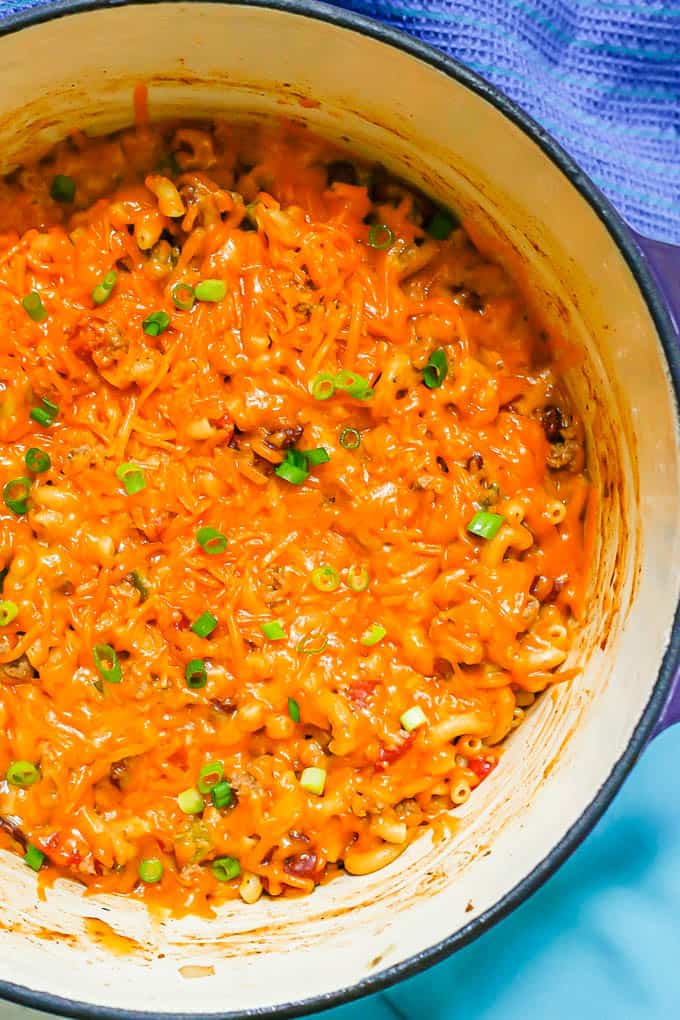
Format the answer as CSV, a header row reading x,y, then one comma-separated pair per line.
x,y
572,839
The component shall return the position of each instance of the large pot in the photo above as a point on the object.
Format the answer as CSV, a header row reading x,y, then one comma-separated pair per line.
x,y
74,65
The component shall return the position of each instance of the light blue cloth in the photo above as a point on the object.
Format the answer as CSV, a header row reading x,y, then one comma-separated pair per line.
x,y
602,939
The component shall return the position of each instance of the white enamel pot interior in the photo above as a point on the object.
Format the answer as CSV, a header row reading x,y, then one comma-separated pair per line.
x,y
75,67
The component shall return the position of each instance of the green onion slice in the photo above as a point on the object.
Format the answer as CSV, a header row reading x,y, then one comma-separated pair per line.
x,y
294,468
353,384
210,290
183,296
307,647
106,661
22,773
156,323
209,776
102,292
317,456
375,633
34,857
350,438
33,306
211,541
412,718
190,801
132,477
8,612
15,494
151,870
204,625
273,631
313,780
225,868
37,460
63,188
358,578
294,710
326,578
195,674
436,369
485,524
440,224
221,794
380,237
45,415
323,386
138,581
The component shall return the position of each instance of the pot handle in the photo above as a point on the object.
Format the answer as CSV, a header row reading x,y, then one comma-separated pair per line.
x,y
664,264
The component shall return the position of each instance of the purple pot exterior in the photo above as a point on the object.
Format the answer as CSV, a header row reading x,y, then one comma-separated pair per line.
x,y
664,263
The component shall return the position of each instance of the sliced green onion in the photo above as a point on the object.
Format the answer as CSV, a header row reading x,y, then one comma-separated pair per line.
x,y
440,224
8,612
350,438
210,290
183,296
37,460
204,625
221,794
225,868
313,780
358,578
195,674
34,857
190,801
106,661
63,188
412,718
380,236
168,165
15,494
293,468
273,631
323,386
138,580
326,578
317,456
209,776
22,773
305,647
436,369
34,307
156,323
45,415
294,710
151,870
211,541
353,384
132,477
102,292
375,633
485,524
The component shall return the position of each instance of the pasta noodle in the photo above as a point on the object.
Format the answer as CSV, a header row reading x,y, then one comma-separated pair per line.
x,y
292,523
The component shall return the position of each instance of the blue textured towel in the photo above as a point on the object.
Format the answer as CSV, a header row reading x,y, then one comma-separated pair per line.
x,y
602,75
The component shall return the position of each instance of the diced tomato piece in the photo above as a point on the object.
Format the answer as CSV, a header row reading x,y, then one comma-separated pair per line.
x,y
388,755
482,767
361,691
